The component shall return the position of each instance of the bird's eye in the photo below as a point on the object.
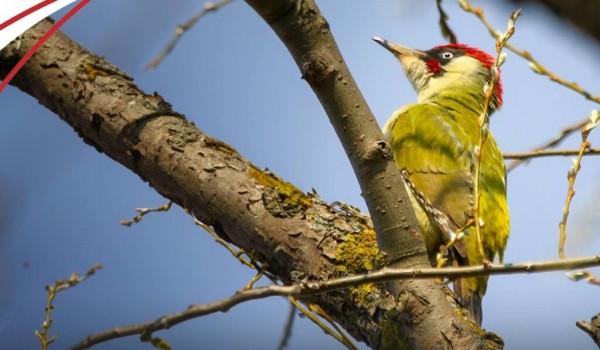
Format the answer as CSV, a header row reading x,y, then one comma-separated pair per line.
x,y
447,55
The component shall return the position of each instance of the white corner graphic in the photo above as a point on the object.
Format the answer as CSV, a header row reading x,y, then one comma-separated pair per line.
x,y
11,8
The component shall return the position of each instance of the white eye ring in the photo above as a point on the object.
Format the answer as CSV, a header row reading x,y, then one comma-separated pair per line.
x,y
447,55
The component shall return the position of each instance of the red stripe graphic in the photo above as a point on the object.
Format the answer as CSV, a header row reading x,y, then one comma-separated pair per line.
x,y
42,40
25,13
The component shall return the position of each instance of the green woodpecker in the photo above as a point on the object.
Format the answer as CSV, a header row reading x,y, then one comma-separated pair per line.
x,y
435,142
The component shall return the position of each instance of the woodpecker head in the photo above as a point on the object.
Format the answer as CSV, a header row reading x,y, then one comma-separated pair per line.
x,y
453,66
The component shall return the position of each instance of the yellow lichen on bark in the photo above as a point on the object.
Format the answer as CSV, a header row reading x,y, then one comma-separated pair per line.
x,y
359,253
289,197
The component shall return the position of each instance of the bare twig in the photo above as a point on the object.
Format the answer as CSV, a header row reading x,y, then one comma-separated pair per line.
x,y
563,134
501,41
287,330
160,343
594,118
256,277
444,27
551,153
591,328
535,65
143,211
59,286
345,340
336,332
239,254
262,270
147,328
584,276
184,27
387,274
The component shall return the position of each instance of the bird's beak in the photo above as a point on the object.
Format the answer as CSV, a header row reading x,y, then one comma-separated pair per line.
x,y
413,62
399,50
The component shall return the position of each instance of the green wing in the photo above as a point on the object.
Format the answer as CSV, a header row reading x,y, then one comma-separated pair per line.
x,y
437,156
434,148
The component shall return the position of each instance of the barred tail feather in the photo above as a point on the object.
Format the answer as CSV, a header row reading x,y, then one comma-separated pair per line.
x,y
470,299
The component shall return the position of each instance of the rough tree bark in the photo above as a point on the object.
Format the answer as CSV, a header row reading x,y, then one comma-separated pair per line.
x,y
297,235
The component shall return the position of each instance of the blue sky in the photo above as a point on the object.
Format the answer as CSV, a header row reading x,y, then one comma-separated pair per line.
x,y
61,201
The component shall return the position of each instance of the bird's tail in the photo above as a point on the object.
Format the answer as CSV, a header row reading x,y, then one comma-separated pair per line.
x,y
469,298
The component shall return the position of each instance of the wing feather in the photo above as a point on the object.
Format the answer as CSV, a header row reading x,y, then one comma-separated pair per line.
x,y
437,156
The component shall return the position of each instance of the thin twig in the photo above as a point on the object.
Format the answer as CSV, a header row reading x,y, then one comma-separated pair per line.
x,y
287,330
184,27
571,176
345,340
444,27
256,277
387,274
143,211
169,320
336,333
551,153
534,64
262,270
160,343
584,276
501,41
237,253
594,118
591,328
59,286
562,135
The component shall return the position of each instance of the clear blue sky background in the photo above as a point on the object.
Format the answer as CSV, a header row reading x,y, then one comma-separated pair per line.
x,y
61,201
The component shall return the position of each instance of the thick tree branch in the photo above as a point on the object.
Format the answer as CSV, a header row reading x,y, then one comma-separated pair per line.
x,y
299,236
308,37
